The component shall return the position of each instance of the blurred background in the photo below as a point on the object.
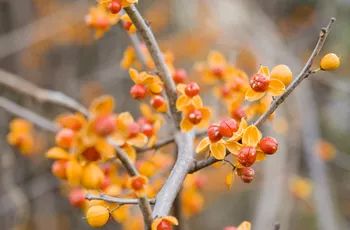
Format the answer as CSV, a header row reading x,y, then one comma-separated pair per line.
x,y
305,186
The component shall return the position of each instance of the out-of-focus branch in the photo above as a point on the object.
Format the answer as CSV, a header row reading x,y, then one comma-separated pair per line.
x,y
112,199
152,45
43,95
305,72
21,111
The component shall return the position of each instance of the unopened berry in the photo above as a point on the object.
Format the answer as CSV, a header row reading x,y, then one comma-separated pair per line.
x,y
247,174
214,133
133,129
97,216
64,138
164,225
259,82
91,154
192,89
282,73
268,145
180,76
138,91
228,127
114,6
58,169
330,62
76,197
238,114
247,156
104,125
157,102
218,71
195,116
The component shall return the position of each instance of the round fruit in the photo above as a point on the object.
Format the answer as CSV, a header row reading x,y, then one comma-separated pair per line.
x,y
238,114
282,73
218,71
164,225
157,101
97,216
104,125
247,156
192,89
247,174
147,129
180,76
133,129
214,133
91,154
259,82
58,169
114,6
76,197
64,138
138,91
330,62
228,127
268,145
195,117
137,183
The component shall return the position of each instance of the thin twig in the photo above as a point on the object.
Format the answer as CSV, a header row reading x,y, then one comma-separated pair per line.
x,y
42,95
158,58
21,111
112,199
305,72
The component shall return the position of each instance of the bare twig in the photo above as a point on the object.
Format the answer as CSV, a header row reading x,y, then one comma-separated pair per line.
x,y
305,72
112,199
152,45
43,95
20,111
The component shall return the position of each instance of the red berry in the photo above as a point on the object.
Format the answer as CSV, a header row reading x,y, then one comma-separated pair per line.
x,y
230,228
247,174
76,197
137,184
105,183
218,71
91,154
133,129
225,91
180,76
101,23
114,6
58,169
259,82
268,145
195,116
227,127
164,225
138,91
238,114
157,101
214,133
192,89
147,129
127,25
64,138
200,181
247,156
104,125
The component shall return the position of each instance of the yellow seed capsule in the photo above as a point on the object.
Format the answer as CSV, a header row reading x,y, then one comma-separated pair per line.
x,y
330,62
282,73
97,216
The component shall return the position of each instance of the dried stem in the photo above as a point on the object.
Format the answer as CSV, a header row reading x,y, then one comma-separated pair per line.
x,y
112,199
305,73
42,95
20,111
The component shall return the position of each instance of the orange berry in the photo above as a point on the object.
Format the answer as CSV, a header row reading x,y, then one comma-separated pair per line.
x,y
247,174
114,6
214,133
133,129
164,225
227,127
180,76
91,154
157,101
247,156
195,116
282,73
259,82
330,62
64,138
58,169
268,145
97,216
76,197
104,125
138,91
192,89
